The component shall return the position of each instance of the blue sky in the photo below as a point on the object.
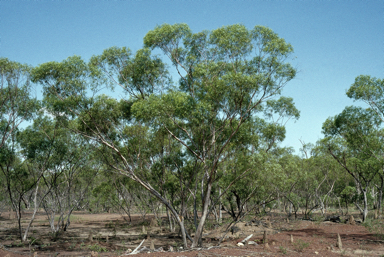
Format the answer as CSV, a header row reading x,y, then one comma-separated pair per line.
x,y
334,41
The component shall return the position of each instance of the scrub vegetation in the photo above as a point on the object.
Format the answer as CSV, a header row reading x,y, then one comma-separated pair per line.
x,y
189,137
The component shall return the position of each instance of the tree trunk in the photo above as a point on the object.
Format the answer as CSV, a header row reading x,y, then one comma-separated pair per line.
x,y
380,193
215,213
18,215
346,205
199,230
183,232
340,209
33,215
374,198
169,220
68,219
321,206
365,211
220,211
379,200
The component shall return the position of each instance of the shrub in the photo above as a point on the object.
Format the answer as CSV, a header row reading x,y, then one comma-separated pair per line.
x,y
300,245
375,226
97,248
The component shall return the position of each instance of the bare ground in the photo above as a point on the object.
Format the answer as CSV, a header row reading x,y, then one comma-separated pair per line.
x,y
112,236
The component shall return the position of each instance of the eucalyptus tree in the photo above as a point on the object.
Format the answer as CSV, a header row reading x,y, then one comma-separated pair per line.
x,y
42,149
4,202
226,77
19,181
16,104
252,179
252,156
331,174
70,91
68,182
318,175
369,90
352,139
22,176
309,181
289,178
347,195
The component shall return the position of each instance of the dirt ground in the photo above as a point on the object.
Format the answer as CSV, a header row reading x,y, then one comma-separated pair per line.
x,y
110,235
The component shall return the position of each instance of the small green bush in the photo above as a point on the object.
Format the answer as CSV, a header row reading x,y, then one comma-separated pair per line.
x,y
300,245
97,248
375,226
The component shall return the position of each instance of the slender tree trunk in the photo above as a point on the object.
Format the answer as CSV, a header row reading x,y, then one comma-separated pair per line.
x,y
346,205
68,219
18,215
359,207
374,198
199,231
216,214
183,232
130,173
365,211
379,200
380,193
169,220
322,206
340,209
33,215
195,215
220,211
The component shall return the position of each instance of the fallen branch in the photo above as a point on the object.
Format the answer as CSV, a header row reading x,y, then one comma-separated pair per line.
x,y
247,238
135,251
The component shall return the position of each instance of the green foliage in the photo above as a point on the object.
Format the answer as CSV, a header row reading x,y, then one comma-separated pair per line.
x,y
101,117
299,245
181,142
355,124
368,89
64,84
348,193
16,103
97,248
375,226
284,106
167,36
223,119
283,250
35,241
138,75
354,137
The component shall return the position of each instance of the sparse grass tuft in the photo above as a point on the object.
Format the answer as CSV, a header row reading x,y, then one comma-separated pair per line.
x,y
283,250
300,245
375,226
97,248
317,219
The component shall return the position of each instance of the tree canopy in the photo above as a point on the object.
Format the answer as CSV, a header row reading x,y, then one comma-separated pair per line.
x,y
195,130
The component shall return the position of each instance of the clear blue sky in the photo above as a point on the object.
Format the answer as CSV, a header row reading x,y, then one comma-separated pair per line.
x,y
334,41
